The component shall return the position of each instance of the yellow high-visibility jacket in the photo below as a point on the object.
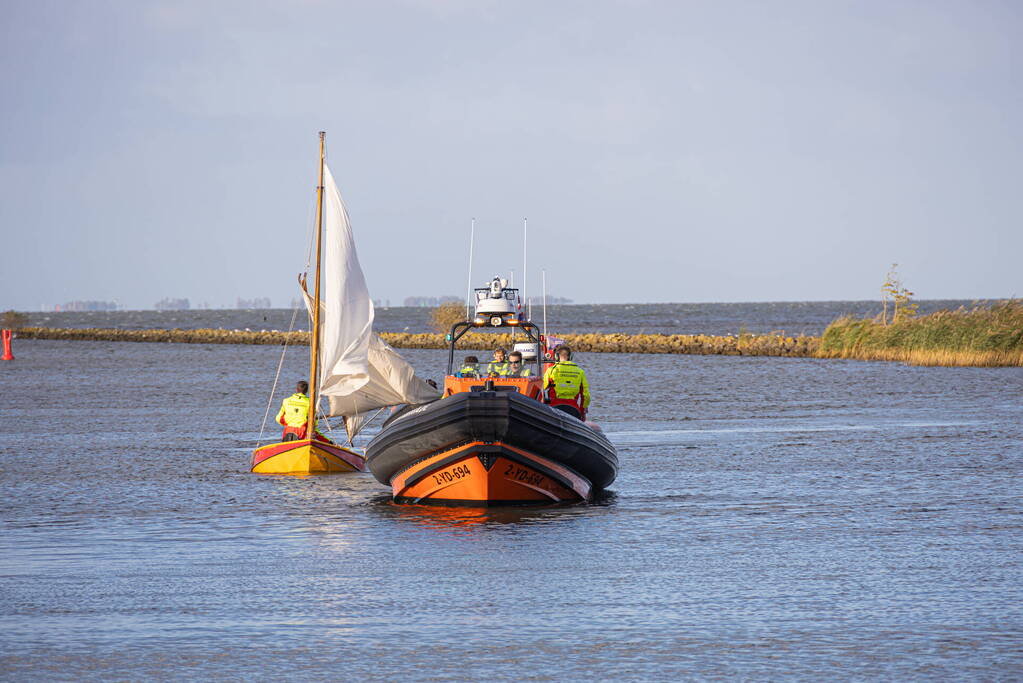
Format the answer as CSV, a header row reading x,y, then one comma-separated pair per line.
x,y
499,369
469,371
294,411
568,380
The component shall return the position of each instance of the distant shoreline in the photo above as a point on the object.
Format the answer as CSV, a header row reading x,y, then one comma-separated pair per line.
x,y
979,337
536,305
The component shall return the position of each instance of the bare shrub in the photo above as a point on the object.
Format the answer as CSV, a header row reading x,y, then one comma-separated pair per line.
x,y
446,315
12,320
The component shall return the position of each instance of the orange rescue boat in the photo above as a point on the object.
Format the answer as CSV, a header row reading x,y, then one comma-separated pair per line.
x,y
493,440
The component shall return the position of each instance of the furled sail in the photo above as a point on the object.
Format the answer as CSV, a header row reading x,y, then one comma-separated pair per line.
x,y
358,371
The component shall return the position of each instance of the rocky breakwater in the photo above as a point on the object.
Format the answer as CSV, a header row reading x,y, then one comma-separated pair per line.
x,y
700,344
728,345
173,336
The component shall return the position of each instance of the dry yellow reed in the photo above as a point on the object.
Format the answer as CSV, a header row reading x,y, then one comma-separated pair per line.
x,y
932,357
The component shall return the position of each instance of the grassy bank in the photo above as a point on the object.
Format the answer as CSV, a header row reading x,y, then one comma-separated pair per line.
x,y
741,345
981,336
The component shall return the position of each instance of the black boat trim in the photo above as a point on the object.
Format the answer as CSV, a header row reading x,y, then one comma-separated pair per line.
x,y
415,462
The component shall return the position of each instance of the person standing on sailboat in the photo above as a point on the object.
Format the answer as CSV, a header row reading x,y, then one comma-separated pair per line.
x,y
294,414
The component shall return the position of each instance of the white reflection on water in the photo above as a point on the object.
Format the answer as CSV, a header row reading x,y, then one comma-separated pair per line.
x,y
651,435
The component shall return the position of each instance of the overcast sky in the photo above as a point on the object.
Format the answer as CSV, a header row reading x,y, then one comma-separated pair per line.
x,y
662,151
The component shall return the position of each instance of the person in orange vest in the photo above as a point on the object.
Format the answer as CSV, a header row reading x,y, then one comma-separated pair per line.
x,y
566,386
294,414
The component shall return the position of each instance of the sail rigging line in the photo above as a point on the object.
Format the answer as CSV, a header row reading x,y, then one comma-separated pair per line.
x,y
348,426
310,220
280,364
363,425
323,416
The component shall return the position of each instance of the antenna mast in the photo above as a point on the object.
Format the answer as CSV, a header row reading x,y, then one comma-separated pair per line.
x,y
543,273
525,295
468,289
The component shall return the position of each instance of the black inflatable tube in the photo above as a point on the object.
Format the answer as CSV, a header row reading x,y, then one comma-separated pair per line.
x,y
492,416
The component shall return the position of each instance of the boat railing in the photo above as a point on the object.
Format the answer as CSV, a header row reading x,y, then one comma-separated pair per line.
x,y
527,386
459,329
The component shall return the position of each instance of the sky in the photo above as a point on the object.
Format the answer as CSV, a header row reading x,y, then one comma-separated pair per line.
x,y
661,151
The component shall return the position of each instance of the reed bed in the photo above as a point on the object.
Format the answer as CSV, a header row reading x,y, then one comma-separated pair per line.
x,y
982,336
738,345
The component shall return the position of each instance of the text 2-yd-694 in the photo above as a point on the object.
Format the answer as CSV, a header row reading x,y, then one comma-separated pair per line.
x,y
453,474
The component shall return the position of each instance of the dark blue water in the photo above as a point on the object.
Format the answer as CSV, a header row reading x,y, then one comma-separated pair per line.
x,y
792,317
773,519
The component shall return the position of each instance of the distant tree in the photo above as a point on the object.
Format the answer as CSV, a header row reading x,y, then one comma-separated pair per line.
x,y
901,298
12,320
447,314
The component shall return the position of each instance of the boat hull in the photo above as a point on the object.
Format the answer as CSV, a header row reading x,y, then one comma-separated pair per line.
x,y
490,448
480,474
306,456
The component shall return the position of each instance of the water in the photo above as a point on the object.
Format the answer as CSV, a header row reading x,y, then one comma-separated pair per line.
x,y
773,518
793,317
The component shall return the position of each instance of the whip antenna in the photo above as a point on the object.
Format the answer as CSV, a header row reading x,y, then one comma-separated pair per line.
x,y
525,294
543,273
468,289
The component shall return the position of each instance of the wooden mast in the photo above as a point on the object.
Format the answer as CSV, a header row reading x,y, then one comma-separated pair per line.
x,y
314,362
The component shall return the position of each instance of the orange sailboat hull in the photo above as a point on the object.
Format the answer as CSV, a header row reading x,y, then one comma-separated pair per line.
x,y
481,474
306,456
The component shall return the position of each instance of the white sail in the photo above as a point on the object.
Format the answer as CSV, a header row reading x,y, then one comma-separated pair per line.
x,y
346,319
392,381
358,371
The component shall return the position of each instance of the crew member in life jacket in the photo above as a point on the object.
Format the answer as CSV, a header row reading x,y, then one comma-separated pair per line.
x,y
515,367
499,366
470,367
566,386
294,414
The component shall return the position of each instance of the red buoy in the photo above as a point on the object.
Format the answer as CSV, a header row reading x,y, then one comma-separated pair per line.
x,y
6,334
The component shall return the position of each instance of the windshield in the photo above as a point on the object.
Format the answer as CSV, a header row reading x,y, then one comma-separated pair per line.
x,y
469,360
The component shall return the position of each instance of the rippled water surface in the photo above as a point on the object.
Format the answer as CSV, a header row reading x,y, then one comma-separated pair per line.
x,y
773,518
